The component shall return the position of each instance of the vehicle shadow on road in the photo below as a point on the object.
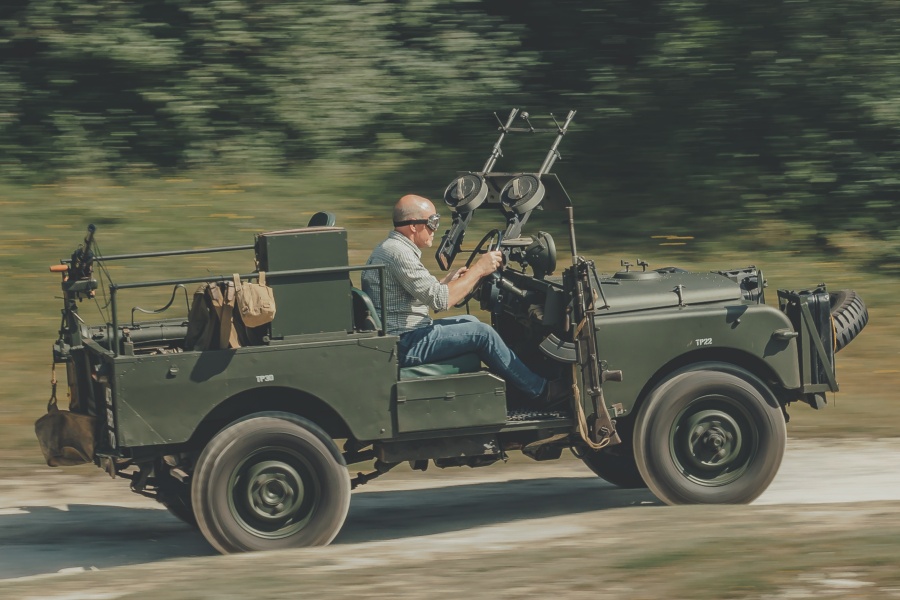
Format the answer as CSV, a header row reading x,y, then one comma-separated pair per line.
x,y
42,539
395,514
37,540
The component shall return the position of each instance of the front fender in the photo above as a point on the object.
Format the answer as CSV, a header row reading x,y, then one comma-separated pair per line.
x,y
642,343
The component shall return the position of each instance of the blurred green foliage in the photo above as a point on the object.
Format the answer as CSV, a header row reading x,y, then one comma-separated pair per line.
x,y
120,86
690,111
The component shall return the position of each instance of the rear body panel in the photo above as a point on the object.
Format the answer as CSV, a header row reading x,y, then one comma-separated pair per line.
x,y
161,399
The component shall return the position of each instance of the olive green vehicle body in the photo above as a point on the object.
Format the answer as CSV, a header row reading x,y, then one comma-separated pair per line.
x,y
250,441
318,365
163,399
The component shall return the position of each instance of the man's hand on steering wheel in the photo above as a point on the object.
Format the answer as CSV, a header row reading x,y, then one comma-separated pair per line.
x,y
488,263
463,288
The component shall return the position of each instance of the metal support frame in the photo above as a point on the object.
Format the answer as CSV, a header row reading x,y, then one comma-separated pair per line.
x,y
810,333
114,288
168,253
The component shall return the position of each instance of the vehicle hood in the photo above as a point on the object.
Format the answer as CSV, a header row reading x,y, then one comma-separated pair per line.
x,y
626,295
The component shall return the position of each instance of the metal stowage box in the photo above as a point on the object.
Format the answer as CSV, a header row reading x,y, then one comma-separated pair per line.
x,y
307,303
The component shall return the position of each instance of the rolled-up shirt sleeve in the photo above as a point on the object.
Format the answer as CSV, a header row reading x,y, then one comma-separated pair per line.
x,y
421,285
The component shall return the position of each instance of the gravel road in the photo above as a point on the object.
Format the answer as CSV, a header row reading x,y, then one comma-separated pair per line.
x,y
71,520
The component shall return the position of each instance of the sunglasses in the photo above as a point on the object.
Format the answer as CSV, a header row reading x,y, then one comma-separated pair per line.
x,y
433,222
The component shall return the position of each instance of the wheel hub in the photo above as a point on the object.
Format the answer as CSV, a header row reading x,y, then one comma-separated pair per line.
x,y
714,440
274,490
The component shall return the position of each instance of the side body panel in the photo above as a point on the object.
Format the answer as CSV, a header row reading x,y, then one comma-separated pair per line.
x,y
451,402
641,343
161,399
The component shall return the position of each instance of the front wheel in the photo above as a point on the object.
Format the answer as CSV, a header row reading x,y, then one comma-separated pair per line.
x,y
709,437
270,481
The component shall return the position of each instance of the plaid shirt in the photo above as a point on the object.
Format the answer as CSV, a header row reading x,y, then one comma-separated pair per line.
x,y
410,290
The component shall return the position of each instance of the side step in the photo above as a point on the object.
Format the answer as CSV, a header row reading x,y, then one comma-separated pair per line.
x,y
520,415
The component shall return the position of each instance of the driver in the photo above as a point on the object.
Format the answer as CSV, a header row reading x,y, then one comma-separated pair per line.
x,y
410,290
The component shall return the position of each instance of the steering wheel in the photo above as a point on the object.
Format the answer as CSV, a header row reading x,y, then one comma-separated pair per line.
x,y
488,237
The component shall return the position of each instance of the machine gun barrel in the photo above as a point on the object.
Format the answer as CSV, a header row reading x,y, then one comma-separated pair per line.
x,y
524,193
496,152
83,257
553,154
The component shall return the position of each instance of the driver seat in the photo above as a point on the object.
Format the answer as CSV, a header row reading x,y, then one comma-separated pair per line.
x,y
464,363
366,318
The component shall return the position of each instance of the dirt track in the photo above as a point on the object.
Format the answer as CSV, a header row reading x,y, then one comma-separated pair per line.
x,y
79,519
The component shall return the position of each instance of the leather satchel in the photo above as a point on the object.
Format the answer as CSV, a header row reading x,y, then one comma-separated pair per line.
x,y
66,438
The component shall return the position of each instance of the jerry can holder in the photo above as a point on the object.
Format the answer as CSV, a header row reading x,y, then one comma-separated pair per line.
x,y
810,313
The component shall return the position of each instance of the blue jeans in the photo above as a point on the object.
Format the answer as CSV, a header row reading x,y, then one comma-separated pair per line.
x,y
452,336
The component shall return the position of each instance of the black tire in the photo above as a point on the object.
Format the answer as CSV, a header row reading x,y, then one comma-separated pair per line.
x,y
616,464
176,497
710,436
850,315
270,481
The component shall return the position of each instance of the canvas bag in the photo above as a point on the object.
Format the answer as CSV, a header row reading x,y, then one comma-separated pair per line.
x,y
211,323
255,302
222,298
202,324
66,438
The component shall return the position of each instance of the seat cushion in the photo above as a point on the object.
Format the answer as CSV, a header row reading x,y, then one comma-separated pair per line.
x,y
464,363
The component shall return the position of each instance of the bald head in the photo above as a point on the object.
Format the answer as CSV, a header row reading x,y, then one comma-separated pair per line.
x,y
418,209
411,207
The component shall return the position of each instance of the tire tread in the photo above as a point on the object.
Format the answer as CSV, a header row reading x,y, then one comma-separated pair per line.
x,y
850,316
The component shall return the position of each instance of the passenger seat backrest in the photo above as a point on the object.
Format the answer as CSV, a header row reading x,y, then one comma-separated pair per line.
x,y
321,219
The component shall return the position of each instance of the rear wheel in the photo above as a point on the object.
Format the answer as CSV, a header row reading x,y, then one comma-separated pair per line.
x,y
709,436
176,497
270,481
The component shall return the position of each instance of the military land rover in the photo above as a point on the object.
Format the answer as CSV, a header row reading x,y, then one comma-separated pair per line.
x,y
680,379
